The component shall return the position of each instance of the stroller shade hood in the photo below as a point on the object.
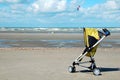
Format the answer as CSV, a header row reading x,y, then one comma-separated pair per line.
x,y
91,36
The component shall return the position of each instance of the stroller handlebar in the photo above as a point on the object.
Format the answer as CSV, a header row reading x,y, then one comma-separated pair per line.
x,y
106,32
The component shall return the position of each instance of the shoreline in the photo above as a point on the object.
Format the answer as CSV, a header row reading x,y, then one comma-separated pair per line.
x,y
59,40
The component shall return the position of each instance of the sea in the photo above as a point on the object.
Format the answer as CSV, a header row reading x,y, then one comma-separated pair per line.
x,y
53,29
56,43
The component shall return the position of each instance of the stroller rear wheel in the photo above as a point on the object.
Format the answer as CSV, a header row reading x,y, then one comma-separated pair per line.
x,y
71,69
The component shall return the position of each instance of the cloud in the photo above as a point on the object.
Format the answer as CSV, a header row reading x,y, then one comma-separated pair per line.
x,y
54,5
59,11
13,12
107,11
65,11
48,6
13,1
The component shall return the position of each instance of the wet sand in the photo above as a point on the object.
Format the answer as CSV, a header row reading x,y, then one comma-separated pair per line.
x,y
52,40
41,36
38,39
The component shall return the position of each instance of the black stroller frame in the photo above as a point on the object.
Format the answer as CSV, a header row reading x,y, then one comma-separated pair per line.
x,y
92,67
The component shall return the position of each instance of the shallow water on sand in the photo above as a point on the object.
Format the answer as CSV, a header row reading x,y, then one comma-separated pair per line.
x,y
54,43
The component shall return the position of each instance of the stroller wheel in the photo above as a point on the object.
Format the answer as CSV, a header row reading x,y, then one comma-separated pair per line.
x,y
71,69
96,72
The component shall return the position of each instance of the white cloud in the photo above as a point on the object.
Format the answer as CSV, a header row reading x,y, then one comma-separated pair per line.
x,y
104,12
48,6
9,1
61,11
13,1
107,11
108,6
111,5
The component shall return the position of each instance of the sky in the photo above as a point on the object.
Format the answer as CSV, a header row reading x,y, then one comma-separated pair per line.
x,y
59,13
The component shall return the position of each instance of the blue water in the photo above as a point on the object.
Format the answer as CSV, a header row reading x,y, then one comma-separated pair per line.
x,y
56,43
47,43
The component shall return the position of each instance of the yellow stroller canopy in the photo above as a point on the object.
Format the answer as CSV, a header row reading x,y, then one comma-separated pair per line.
x,y
91,36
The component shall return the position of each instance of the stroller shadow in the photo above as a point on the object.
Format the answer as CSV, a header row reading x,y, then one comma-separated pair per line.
x,y
109,69
102,69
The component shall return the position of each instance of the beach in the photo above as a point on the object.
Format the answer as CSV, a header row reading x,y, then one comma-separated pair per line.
x,y
49,39
27,56
52,64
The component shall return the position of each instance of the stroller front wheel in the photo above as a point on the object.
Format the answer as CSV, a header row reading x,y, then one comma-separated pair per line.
x,y
71,69
96,72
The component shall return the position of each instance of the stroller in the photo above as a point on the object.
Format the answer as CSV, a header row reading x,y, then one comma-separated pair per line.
x,y
92,38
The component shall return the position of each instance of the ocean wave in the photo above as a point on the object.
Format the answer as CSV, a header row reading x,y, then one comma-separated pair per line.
x,y
49,30
29,29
